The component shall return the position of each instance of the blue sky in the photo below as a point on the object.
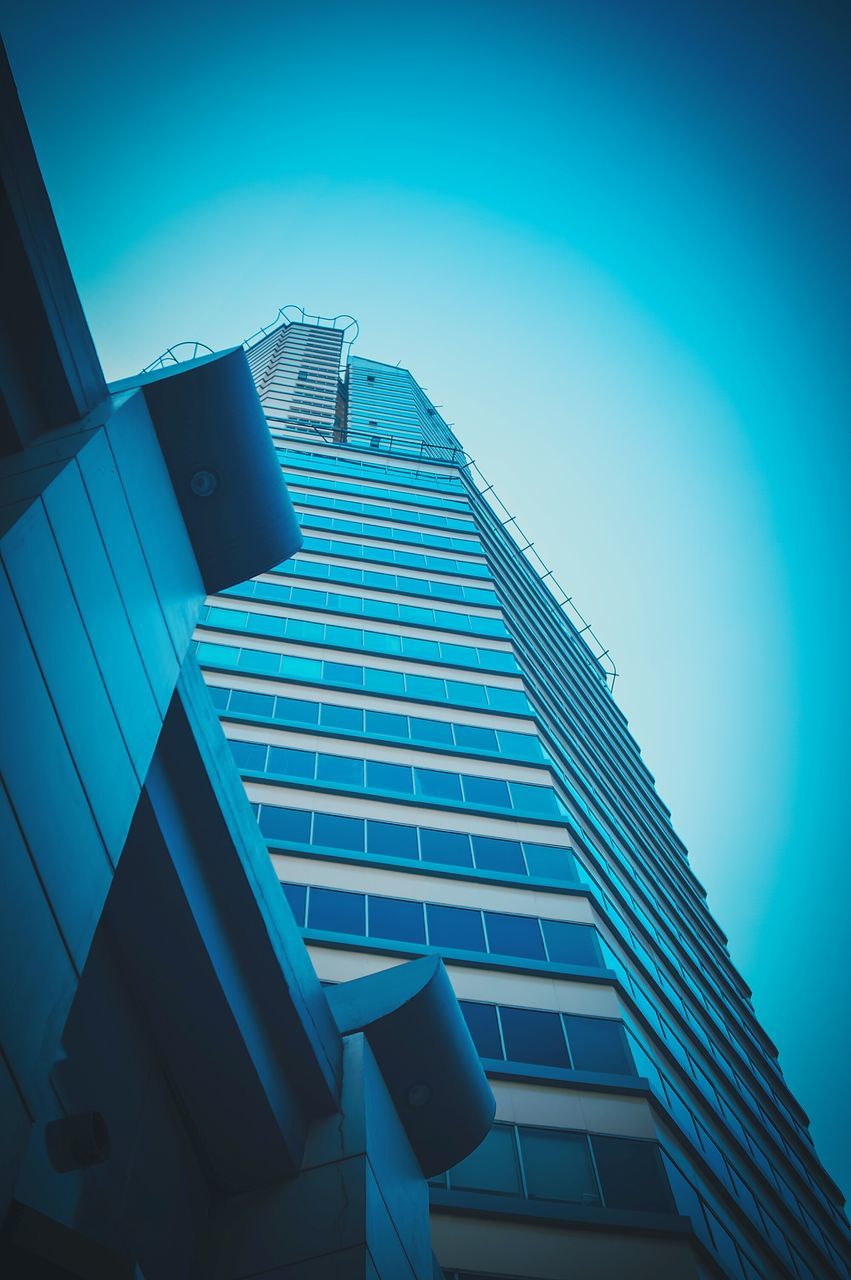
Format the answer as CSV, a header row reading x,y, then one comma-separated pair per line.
x,y
611,240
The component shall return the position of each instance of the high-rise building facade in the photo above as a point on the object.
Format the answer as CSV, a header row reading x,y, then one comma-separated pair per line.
x,y
437,763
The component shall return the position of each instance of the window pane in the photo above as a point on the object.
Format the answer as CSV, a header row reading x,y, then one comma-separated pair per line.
x,y
533,799
256,704
449,847
396,919
392,839
339,769
343,673
455,927
297,710
548,862
336,910
386,724
558,1166
492,1166
425,687
572,943
299,764
338,833
389,777
514,936
531,1035
483,1027
475,738
493,854
434,784
332,717
631,1175
598,1044
296,895
432,731
466,695
491,791
248,755
523,745
285,824
384,681
259,660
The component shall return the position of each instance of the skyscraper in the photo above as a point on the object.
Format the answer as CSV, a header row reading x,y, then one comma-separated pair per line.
x,y
437,762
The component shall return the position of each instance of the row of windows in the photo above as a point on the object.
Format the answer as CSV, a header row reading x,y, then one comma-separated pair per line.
x,y
354,467
380,512
339,524
389,610
395,646
298,480
389,555
544,1039
437,785
573,1168
389,581
448,928
380,724
373,679
397,840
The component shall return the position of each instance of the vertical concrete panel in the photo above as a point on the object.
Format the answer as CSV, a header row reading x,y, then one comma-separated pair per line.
x,y
105,618
37,979
45,790
129,566
159,520
67,662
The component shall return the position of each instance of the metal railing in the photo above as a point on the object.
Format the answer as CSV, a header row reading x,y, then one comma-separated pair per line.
x,y
178,354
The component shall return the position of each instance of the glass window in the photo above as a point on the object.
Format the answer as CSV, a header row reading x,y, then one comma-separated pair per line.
x,y
598,1044
495,854
435,784
572,943
386,724
425,687
466,695
299,629
456,927
460,653
449,847
558,1166
514,935
343,673
507,700
532,1035
525,746
391,839
483,1027
341,770
492,1166
397,919
424,649
255,704
337,911
348,637
332,717
439,731
296,895
549,862
474,738
338,833
219,696
303,595
490,791
296,710
532,799
289,760
248,755
259,660
631,1175
302,668
385,681
389,777
285,824
379,609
